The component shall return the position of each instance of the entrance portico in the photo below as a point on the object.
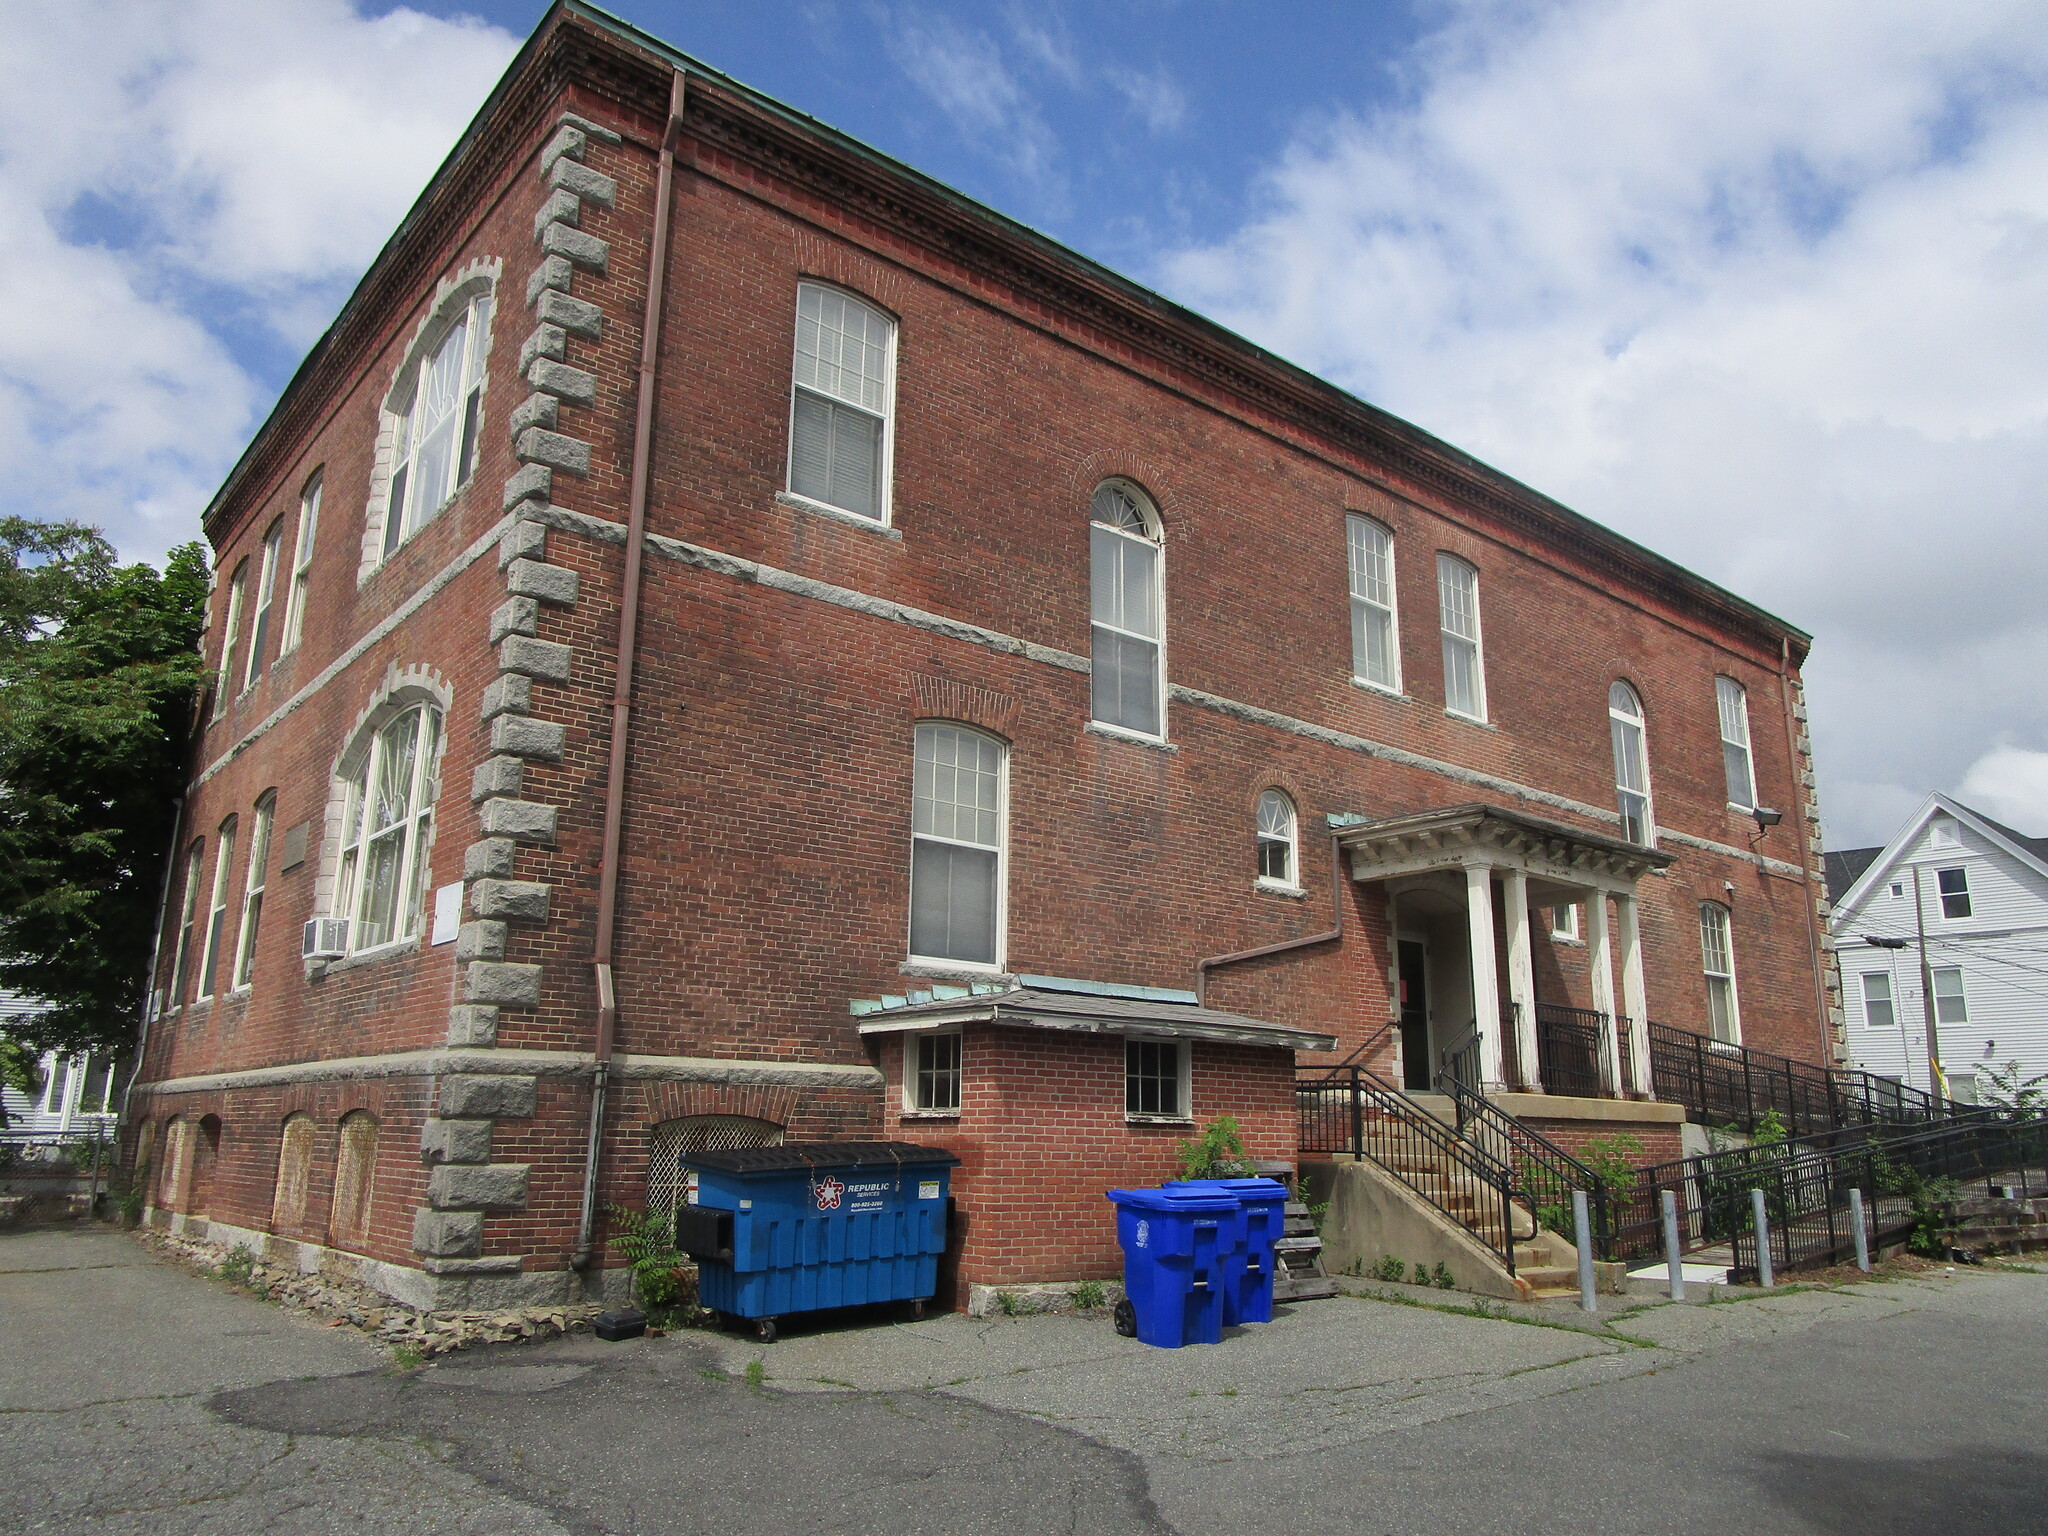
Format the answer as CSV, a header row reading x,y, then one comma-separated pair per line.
x,y
1480,1020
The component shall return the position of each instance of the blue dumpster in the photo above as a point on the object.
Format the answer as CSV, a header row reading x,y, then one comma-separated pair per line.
x,y
1250,1269
801,1227
1174,1247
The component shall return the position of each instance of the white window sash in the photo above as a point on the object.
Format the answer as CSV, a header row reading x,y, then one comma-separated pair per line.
x,y
217,912
995,847
259,623
252,892
302,561
355,889
1731,705
419,488
229,635
1458,620
1370,562
872,397
1117,621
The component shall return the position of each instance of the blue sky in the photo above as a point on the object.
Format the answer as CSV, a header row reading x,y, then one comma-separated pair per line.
x,y
1762,286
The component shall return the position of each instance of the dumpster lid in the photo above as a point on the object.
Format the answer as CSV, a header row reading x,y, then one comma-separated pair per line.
x,y
1196,1201
1038,1008
819,1154
1254,1189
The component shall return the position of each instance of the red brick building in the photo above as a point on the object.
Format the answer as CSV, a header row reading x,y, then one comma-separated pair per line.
x,y
725,637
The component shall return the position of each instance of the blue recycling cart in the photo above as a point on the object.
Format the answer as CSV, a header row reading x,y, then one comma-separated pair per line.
x,y
1175,1246
1250,1267
807,1226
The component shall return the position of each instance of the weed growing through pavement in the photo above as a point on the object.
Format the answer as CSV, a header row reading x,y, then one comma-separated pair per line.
x,y
407,1357
757,1372
1497,1312
1089,1296
1007,1304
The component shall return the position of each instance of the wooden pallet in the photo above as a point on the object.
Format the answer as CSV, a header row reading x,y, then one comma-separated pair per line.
x,y
1298,1259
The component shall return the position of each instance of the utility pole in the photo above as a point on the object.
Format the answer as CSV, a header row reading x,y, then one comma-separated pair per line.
x,y
1937,1079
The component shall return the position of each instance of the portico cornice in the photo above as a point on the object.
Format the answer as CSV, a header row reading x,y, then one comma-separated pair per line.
x,y
1487,836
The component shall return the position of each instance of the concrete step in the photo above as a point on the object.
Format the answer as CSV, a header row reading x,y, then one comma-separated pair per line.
x,y
1549,1277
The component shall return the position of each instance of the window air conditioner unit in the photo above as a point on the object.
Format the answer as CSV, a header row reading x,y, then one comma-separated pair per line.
x,y
325,938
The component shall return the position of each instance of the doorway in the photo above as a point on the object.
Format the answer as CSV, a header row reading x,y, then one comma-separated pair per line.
x,y
1412,969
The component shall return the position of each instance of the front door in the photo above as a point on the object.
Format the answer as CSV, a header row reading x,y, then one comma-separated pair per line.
x,y
1413,965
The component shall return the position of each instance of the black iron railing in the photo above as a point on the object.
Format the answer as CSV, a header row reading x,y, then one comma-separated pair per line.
x,y
1545,1173
1726,1084
1357,1112
50,1166
1571,1051
1461,1061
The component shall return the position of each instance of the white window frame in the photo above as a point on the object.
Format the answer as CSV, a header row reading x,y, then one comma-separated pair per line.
x,y
188,917
1568,930
1153,539
1731,708
302,565
1285,831
1000,848
253,884
1960,996
266,593
1724,920
223,686
1889,1001
56,1100
352,891
404,511
1628,734
217,911
1369,543
883,410
1942,896
913,1073
1183,1082
1451,572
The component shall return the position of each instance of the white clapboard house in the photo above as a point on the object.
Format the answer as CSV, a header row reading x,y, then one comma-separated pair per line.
x,y
77,1094
1982,894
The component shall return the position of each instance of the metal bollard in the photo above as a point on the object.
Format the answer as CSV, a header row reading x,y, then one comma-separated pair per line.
x,y
1764,1275
1582,1228
1862,1230
1673,1262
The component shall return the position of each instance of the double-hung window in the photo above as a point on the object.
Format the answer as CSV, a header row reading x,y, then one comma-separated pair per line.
x,y
1878,1011
1155,1079
438,411
1278,837
1375,640
266,590
1631,764
931,1076
216,923
843,402
188,917
385,826
302,566
1564,923
252,888
956,857
1128,632
230,632
1731,701
1457,596
1954,885
1950,1005
1717,960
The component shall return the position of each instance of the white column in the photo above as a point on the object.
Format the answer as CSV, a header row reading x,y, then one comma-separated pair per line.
x,y
1633,1001
1601,958
1485,982
1521,977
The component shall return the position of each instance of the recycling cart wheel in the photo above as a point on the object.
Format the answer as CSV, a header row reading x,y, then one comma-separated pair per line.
x,y
764,1330
916,1309
1126,1318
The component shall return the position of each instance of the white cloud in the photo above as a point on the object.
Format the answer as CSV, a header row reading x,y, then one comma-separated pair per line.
x,y
192,189
1762,286
2010,784
965,76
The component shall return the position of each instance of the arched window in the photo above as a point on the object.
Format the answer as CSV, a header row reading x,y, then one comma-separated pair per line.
x,y
1717,960
302,565
355,1170
956,858
385,826
1375,641
223,857
1129,624
1457,597
843,397
1278,851
669,1184
1731,703
253,885
437,407
1631,764
294,1174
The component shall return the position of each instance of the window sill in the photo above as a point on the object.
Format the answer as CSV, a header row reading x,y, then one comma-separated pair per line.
x,y
1465,719
1276,888
1136,738
952,970
929,1114
798,503
1131,1119
1385,692
1567,941
315,969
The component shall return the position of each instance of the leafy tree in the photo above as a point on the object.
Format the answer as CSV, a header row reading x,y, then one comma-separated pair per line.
x,y
2013,1096
98,670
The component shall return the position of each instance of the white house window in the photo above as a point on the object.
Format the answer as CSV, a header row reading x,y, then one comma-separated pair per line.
x,y
932,1075
1955,892
1278,838
266,590
1457,596
390,810
253,883
302,566
1375,641
224,856
1155,1079
1877,1001
956,875
1950,1006
1128,629
188,916
843,402
230,632
1564,923
438,407
1731,701
1631,763
1717,960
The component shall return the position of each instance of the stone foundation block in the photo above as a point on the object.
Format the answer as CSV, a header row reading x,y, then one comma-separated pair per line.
x,y
524,736
544,583
487,1096
571,385
478,1187
524,540
473,1024
525,820
522,899
447,1234
496,776
511,695
455,1141
579,317
509,986
480,941
570,455
546,660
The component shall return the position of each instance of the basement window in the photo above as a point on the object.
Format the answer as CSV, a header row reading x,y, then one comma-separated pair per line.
x,y
1155,1080
931,1074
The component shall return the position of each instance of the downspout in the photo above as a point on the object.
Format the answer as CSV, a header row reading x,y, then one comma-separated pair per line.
x,y
1336,931
622,682
156,948
1798,809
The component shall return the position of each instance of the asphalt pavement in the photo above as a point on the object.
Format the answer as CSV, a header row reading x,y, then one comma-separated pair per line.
x,y
137,1397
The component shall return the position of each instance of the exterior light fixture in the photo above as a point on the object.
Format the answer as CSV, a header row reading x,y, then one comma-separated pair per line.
x,y
1766,818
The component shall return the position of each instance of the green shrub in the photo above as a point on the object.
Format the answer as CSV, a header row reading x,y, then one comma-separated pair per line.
x,y
1440,1277
1389,1268
648,1241
1218,1153
238,1267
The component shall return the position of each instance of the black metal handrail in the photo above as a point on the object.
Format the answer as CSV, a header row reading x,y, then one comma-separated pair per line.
x,y
1360,1113
1461,1061
1571,1051
1545,1173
